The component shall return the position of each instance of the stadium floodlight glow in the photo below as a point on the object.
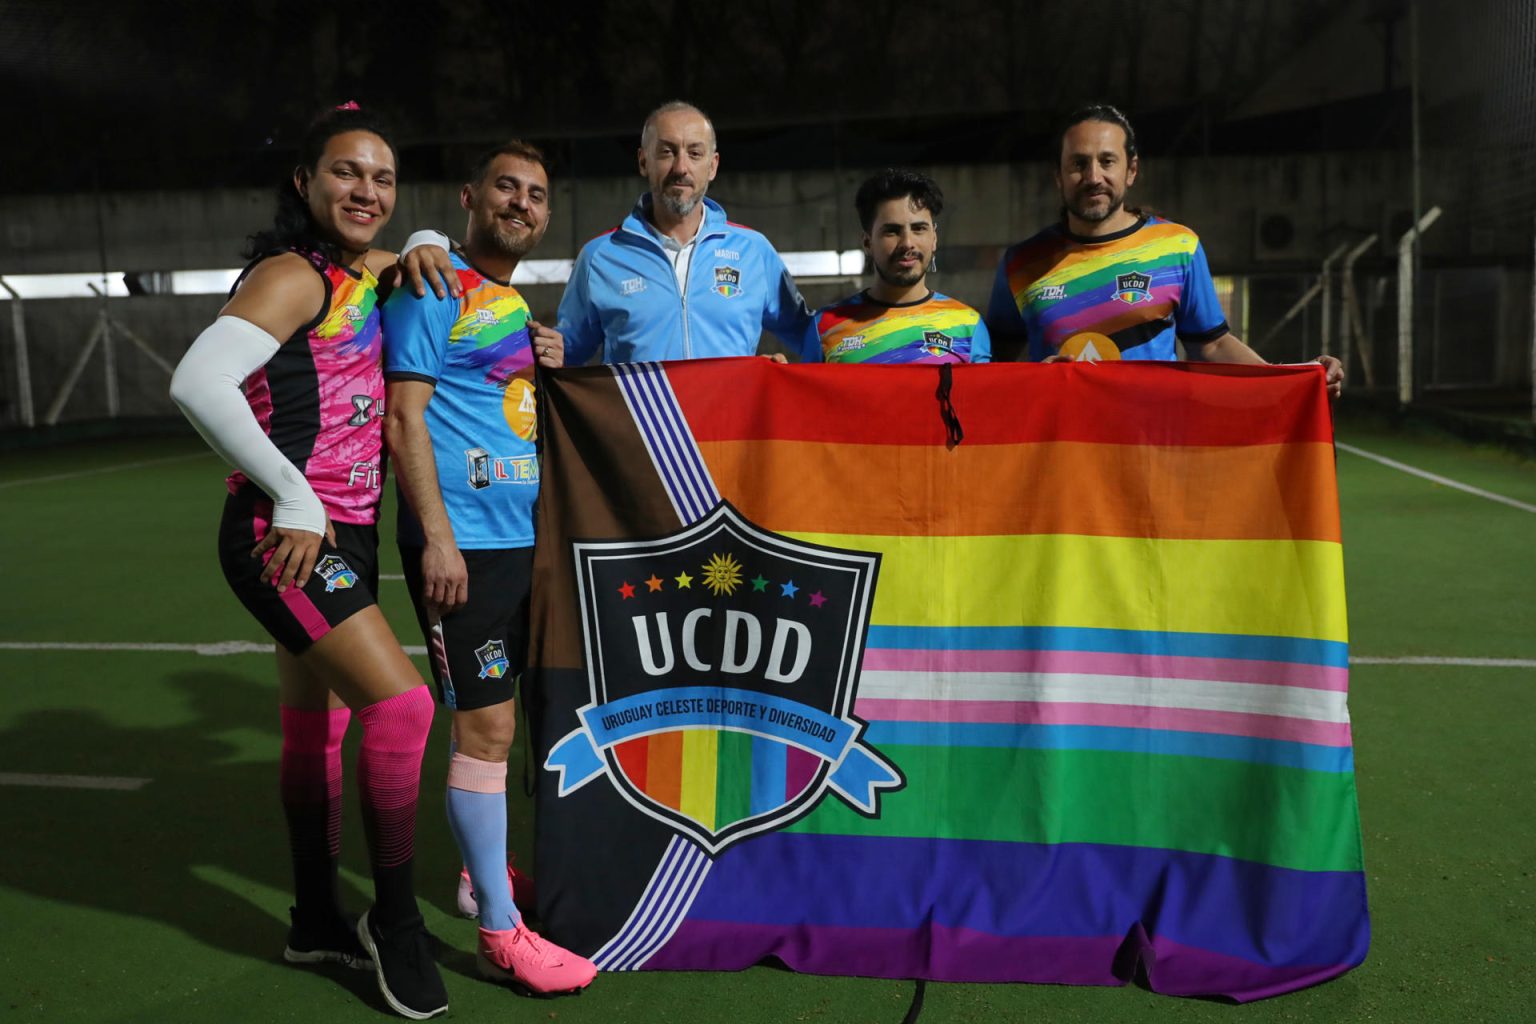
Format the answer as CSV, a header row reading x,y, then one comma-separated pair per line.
x,y
812,263
62,286
824,263
543,272
203,282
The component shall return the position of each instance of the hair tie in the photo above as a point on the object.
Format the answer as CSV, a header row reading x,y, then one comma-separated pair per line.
x,y
349,105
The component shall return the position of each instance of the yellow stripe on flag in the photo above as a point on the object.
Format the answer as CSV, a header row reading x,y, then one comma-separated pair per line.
x,y
701,754
1251,587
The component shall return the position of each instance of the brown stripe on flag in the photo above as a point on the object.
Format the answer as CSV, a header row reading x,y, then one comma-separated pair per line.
x,y
597,482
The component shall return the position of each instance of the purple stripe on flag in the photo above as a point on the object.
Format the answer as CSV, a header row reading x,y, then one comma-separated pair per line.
x,y
962,954
1027,712
955,954
1107,663
1269,916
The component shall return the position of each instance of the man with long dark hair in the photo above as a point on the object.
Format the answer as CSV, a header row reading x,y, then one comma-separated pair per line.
x,y
1109,281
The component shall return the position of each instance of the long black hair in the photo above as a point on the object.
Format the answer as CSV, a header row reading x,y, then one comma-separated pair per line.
x,y
293,226
1094,112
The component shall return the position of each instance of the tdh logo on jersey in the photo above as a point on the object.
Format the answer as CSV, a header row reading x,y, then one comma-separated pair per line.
x,y
728,281
338,575
493,659
852,343
723,661
1133,288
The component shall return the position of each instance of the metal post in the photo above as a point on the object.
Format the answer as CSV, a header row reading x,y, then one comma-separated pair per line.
x,y
1290,314
1328,297
1405,251
23,364
51,417
144,347
109,363
1349,307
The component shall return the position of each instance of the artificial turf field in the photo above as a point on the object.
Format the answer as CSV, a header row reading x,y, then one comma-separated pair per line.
x,y
169,902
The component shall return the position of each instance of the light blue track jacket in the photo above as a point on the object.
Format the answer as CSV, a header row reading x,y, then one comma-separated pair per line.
x,y
623,294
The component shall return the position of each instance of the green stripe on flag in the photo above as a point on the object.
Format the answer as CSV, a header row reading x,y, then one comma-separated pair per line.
x,y
733,786
1288,817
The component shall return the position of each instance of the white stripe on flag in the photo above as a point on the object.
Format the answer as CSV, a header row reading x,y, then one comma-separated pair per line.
x,y
1074,688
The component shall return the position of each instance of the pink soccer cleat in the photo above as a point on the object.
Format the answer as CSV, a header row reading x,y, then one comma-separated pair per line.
x,y
529,962
524,895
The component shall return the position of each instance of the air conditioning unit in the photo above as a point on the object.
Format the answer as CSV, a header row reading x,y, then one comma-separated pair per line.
x,y
1278,235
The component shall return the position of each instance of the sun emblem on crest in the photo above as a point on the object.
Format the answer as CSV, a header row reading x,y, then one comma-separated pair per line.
x,y
722,574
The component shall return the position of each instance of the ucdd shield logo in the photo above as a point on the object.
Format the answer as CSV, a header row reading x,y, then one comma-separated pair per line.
x,y
723,661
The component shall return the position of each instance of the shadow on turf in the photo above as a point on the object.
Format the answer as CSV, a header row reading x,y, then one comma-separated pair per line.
x,y
179,849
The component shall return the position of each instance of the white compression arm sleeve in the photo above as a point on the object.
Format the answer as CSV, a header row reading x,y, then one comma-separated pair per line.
x,y
206,386
426,236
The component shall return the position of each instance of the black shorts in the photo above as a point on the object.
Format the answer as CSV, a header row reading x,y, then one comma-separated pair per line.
x,y
344,581
477,652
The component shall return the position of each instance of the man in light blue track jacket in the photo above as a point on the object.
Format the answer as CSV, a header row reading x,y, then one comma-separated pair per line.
x,y
677,280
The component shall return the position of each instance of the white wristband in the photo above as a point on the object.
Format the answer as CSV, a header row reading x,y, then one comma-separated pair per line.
x,y
206,386
426,236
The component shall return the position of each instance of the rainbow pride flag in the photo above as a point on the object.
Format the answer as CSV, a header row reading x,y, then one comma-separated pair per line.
x,y
973,673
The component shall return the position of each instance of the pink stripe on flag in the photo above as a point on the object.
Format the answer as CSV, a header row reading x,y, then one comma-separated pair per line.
x,y
799,766
1099,663
1122,716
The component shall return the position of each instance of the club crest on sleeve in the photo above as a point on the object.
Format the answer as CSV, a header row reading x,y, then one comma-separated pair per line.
x,y
337,574
723,661
1133,288
728,281
493,659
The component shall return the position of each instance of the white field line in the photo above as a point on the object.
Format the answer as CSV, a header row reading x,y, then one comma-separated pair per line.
x,y
103,469
227,647
1403,467
213,650
71,781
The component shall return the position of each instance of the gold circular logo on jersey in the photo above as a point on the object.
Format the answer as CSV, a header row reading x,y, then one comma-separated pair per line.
x,y
1090,347
519,408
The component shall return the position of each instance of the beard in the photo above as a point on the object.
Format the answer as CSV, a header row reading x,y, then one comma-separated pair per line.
x,y
509,241
901,278
678,206
1094,215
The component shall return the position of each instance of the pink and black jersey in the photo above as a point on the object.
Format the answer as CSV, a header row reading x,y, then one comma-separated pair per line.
x,y
321,397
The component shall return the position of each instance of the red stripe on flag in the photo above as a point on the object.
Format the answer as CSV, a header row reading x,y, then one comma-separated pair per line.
x,y
1007,403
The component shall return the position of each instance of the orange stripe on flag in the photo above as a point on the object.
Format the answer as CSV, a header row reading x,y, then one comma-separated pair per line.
x,y
664,769
1258,492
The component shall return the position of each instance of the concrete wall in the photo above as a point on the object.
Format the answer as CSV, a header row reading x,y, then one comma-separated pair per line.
x,y
1330,198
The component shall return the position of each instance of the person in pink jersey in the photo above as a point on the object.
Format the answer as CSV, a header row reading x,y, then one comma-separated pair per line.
x,y
287,386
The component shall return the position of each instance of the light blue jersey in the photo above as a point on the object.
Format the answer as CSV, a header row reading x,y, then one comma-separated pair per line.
x,y
475,350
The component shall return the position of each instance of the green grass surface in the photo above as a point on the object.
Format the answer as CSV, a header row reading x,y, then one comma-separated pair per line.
x,y
169,903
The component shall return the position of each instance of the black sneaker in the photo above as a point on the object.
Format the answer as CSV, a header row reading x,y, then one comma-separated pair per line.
x,y
326,940
403,962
